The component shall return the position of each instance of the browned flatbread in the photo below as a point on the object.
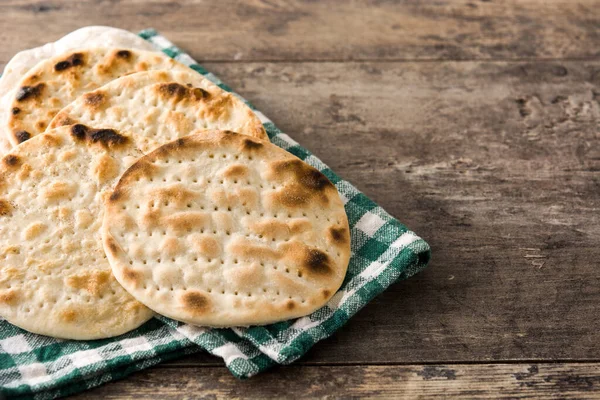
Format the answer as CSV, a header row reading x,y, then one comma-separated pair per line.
x,y
22,62
54,83
220,229
54,276
160,106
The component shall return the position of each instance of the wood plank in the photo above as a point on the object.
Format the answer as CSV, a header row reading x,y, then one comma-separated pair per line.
x,y
325,30
495,164
485,381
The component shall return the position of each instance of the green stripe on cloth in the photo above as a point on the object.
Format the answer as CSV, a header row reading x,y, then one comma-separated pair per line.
x,y
45,367
383,252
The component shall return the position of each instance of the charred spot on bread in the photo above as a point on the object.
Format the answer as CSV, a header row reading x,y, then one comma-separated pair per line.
x,y
22,136
74,60
199,93
310,178
173,90
179,92
125,54
11,160
249,145
290,304
79,131
338,235
29,92
106,137
317,262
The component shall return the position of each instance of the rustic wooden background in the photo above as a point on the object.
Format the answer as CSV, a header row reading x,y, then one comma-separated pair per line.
x,y
475,122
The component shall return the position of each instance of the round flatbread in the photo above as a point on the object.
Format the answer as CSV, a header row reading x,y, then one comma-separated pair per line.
x,y
54,83
219,229
90,36
161,106
54,276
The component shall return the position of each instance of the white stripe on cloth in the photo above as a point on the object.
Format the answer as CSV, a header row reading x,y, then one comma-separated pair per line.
x,y
160,42
315,162
190,331
369,223
271,349
288,140
15,345
135,345
305,323
229,352
64,367
185,59
344,199
32,374
406,239
84,358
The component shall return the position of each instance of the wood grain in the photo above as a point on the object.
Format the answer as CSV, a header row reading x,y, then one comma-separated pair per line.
x,y
514,381
325,30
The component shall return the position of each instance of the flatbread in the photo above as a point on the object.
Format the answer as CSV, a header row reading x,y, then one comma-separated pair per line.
x,y
90,36
5,145
219,229
54,276
160,106
54,83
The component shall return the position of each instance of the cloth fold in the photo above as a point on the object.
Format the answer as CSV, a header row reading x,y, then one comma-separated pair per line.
x,y
383,252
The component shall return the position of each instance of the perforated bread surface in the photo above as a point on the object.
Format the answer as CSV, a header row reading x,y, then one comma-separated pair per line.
x,y
54,83
219,229
55,279
160,106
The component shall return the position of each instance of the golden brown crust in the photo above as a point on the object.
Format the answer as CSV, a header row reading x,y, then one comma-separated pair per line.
x,y
213,239
5,207
195,303
177,92
156,107
11,161
51,247
34,230
95,101
94,282
54,83
9,297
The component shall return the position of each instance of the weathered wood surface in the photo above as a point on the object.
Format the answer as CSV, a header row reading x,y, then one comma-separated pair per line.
x,y
325,29
476,123
520,381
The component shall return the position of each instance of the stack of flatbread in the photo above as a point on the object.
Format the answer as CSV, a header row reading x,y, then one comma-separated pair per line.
x,y
130,185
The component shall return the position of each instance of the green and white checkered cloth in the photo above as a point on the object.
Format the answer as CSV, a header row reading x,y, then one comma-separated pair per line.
x,y
383,252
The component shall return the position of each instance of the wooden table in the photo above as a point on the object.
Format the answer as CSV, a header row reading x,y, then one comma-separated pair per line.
x,y
475,122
